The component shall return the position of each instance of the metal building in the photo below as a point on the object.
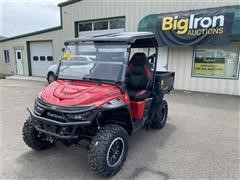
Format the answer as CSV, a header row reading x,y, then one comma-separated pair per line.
x,y
31,54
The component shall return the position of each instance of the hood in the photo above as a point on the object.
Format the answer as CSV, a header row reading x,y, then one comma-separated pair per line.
x,y
73,93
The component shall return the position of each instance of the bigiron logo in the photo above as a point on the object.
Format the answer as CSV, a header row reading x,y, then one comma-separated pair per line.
x,y
194,25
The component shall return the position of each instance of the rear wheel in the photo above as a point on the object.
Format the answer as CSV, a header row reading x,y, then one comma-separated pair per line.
x,y
33,138
108,150
51,77
160,118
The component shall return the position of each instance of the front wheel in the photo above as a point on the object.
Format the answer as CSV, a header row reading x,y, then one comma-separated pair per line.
x,y
51,77
33,138
160,118
108,150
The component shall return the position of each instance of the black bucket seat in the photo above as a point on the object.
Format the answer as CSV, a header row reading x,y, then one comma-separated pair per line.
x,y
139,76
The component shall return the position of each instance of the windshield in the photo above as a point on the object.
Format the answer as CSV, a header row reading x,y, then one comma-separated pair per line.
x,y
91,61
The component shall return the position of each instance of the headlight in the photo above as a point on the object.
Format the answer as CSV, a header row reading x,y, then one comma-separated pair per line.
x,y
38,110
80,116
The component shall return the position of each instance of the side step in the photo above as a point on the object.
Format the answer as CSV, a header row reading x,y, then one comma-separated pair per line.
x,y
137,124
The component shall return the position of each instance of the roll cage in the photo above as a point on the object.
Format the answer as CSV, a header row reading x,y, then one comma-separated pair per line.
x,y
133,39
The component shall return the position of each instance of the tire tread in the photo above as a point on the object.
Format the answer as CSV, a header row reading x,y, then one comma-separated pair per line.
x,y
97,153
156,124
30,137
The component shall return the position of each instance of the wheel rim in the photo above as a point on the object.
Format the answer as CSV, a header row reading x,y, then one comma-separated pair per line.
x,y
51,78
115,152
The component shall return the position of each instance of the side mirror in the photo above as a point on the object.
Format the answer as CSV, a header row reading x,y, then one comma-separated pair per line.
x,y
63,49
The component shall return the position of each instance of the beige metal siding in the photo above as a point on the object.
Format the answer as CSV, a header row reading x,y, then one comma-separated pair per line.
x,y
134,10
180,59
21,43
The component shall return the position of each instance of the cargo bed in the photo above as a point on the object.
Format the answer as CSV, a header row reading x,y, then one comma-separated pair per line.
x,y
164,80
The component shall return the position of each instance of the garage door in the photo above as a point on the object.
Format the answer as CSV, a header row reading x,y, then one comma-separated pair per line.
x,y
41,57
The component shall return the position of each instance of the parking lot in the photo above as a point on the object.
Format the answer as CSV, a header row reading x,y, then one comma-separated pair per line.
x,y
200,140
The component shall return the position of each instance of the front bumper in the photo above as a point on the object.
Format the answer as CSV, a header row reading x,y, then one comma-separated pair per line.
x,y
60,130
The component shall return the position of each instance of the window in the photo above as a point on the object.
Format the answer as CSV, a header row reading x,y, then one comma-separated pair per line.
x,y
117,24
19,56
85,26
114,24
42,58
218,62
50,58
101,25
6,56
35,58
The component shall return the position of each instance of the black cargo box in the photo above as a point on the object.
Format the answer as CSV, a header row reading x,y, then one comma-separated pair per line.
x,y
164,81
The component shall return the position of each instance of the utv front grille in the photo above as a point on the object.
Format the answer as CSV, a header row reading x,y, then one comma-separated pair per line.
x,y
69,109
56,128
55,116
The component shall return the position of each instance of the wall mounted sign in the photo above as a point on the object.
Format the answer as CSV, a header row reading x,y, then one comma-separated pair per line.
x,y
197,27
209,66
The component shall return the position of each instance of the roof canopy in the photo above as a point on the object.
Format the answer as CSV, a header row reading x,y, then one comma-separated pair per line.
x,y
135,39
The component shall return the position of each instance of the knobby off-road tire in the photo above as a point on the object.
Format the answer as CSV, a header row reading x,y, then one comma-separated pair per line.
x,y
101,157
160,120
51,77
33,139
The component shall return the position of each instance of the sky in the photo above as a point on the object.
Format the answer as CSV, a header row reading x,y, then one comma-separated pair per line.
x,y
24,16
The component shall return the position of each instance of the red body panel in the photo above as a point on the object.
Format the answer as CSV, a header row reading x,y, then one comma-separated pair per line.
x,y
137,109
73,93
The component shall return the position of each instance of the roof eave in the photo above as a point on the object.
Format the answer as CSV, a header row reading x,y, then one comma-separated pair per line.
x,y
33,33
65,3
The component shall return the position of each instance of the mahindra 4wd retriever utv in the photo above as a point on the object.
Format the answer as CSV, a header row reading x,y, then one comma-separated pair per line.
x,y
97,104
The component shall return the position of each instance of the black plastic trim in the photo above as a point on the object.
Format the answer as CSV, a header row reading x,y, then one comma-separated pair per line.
x,y
69,109
85,122
57,123
113,104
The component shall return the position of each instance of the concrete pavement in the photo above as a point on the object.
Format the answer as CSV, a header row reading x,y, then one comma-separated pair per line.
x,y
200,140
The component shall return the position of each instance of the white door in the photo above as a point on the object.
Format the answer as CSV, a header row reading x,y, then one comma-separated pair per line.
x,y
41,57
162,64
19,62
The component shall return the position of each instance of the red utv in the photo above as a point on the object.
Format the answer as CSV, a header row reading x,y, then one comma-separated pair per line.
x,y
97,104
